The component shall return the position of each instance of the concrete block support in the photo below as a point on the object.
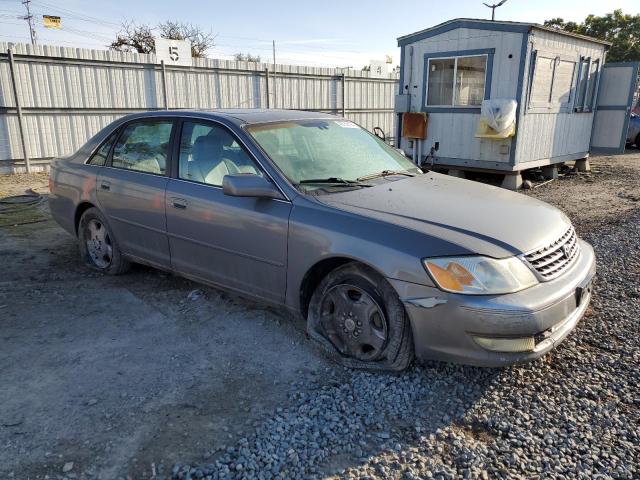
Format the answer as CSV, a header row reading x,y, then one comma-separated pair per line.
x,y
512,181
583,165
550,172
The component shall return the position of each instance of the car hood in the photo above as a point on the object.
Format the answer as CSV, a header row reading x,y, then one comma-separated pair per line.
x,y
476,217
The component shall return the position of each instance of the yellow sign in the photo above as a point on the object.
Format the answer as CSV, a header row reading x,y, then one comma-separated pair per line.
x,y
50,21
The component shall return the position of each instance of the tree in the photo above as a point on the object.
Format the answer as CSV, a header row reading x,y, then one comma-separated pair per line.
x,y
134,38
622,30
140,38
200,41
246,57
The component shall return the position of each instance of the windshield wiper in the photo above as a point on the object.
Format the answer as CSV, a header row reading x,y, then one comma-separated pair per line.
x,y
385,173
332,181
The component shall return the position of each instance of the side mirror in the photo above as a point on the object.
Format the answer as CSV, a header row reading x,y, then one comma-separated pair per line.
x,y
249,185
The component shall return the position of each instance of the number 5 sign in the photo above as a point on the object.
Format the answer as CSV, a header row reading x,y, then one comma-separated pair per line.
x,y
173,52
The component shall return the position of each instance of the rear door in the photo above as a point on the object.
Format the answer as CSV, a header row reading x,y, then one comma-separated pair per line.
x,y
618,83
131,189
237,242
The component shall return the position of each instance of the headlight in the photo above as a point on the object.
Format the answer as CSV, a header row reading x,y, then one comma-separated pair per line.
x,y
480,275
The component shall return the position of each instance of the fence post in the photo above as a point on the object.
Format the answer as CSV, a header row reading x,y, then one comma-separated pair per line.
x,y
344,108
12,68
266,84
164,85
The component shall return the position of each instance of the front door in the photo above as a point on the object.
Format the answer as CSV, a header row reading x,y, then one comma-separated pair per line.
x,y
618,82
131,190
237,242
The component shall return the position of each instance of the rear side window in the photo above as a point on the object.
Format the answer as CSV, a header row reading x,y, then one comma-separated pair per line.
x,y
143,147
99,158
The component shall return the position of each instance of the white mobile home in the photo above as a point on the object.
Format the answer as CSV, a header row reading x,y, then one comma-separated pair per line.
x,y
568,101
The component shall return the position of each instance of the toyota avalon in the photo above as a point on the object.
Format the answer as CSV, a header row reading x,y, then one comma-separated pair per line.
x,y
311,212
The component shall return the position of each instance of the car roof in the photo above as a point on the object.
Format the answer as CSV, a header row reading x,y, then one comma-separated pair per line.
x,y
240,116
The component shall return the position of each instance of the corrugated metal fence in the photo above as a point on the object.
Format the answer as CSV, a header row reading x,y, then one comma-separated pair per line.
x,y
65,95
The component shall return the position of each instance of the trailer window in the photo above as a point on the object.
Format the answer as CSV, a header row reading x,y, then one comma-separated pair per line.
x,y
540,94
593,81
587,87
562,81
556,82
456,81
440,89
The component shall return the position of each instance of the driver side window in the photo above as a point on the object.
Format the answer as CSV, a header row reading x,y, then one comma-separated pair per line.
x,y
209,152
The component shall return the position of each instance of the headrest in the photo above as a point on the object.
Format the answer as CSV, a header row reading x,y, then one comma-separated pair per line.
x,y
207,147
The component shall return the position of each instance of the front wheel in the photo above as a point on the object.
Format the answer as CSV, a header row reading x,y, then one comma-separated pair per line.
x,y
98,246
359,320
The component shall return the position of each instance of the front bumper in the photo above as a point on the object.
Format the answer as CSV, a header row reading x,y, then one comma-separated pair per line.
x,y
444,324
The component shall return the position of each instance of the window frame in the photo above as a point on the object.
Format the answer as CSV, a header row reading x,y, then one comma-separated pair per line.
x,y
588,102
115,133
170,148
203,121
571,106
488,53
549,107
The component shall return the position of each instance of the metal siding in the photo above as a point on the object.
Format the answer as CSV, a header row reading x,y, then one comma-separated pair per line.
x,y
544,136
68,94
455,131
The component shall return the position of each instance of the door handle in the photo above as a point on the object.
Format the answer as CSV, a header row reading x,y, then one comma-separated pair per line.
x,y
105,185
179,203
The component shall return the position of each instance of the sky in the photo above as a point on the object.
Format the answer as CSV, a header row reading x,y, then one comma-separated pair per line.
x,y
326,33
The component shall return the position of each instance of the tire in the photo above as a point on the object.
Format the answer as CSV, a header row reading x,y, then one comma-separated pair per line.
x,y
638,141
98,247
358,319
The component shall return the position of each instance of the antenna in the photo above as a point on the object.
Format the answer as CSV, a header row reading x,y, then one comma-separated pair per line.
x,y
29,18
493,8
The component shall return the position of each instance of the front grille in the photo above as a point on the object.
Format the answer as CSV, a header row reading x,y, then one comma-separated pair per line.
x,y
552,260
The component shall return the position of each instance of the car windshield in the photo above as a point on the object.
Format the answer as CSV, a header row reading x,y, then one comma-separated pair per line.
x,y
334,154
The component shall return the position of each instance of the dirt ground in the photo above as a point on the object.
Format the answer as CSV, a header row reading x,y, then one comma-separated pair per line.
x,y
116,374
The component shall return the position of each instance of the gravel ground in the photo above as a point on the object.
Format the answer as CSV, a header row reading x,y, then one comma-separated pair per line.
x,y
573,414
159,388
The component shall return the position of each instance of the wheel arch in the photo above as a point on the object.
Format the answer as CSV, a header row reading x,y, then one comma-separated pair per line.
x,y
80,209
318,271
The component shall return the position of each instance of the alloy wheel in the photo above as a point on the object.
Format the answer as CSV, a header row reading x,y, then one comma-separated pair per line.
x,y
99,244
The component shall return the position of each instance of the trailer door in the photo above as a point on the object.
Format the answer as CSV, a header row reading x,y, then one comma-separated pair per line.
x,y
618,82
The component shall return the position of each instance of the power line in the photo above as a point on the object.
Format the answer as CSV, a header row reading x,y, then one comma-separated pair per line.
x,y
4,22
286,49
285,43
79,16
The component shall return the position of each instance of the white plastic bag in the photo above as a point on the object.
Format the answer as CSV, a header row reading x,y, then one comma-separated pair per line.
x,y
497,118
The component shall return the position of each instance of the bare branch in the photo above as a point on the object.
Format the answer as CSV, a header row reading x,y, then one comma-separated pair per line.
x,y
200,40
134,38
140,38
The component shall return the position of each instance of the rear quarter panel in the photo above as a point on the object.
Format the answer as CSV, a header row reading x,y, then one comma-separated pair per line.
x,y
72,183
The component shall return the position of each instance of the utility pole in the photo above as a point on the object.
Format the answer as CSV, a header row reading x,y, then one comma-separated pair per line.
x,y
275,85
493,8
29,18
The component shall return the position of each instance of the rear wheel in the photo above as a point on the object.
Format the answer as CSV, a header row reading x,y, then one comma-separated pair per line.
x,y
98,247
359,320
638,141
